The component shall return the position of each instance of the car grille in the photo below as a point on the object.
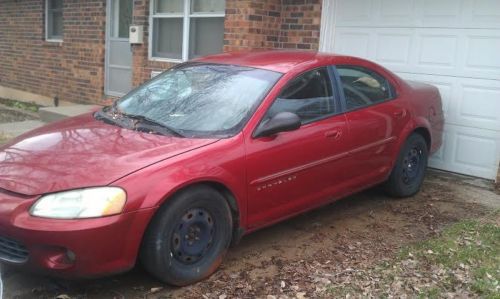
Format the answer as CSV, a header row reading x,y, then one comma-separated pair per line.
x,y
12,251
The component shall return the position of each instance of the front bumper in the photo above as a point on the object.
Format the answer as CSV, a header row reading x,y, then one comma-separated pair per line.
x,y
83,248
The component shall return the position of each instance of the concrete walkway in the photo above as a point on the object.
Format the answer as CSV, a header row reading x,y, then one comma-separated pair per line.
x,y
17,128
45,115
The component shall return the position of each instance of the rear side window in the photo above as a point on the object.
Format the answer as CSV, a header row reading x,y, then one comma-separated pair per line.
x,y
309,96
363,87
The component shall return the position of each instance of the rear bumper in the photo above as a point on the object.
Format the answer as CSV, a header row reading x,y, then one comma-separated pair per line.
x,y
83,248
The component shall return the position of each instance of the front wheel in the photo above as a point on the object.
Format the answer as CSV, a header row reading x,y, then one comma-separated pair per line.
x,y
409,170
188,237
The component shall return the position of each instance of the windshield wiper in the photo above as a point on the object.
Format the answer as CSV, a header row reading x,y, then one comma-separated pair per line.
x,y
152,122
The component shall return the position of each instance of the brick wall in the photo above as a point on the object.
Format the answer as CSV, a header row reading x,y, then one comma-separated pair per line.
x,y
252,24
72,70
268,24
300,24
257,24
142,66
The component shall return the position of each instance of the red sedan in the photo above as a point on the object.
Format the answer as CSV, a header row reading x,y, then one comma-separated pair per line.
x,y
184,165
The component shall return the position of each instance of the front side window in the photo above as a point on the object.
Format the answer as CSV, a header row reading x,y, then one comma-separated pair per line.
x,y
186,29
309,96
363,87
200,99
54,20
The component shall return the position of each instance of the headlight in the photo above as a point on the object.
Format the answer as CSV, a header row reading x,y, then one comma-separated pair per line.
x,y
82,203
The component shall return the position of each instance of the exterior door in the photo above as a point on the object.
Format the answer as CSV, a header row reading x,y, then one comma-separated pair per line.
x,y
118,51
293,171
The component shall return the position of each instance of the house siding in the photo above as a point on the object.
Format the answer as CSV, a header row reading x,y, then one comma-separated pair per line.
x,y
72,70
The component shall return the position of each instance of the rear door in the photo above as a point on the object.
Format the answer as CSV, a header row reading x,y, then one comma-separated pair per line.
x,y
293,171
376,116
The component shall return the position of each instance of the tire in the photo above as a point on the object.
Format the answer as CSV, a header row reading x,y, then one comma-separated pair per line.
x,y
408,172
188,237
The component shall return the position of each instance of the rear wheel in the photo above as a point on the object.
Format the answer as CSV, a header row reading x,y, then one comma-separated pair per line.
x,y
188,236
408,173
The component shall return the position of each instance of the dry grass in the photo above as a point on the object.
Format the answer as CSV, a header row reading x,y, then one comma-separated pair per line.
x,y
4,137
464,261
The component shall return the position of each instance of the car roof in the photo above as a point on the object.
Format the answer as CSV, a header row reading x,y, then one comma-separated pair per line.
x,y
275,60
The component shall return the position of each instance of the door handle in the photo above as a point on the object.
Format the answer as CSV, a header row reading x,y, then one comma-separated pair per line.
x,y
335,134
400,114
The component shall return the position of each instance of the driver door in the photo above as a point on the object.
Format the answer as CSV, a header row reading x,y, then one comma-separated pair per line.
x,y
293,171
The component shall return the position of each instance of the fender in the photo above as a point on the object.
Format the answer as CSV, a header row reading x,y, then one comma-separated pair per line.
x,y
415,123
166,178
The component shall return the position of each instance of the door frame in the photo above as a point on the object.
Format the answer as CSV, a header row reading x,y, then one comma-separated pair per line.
x,y
109,11
327,25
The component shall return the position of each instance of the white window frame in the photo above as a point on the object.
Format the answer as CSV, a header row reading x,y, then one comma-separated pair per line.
x,y
47,38
186,21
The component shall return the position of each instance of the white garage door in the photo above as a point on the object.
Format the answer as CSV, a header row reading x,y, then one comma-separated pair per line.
x,y
453,44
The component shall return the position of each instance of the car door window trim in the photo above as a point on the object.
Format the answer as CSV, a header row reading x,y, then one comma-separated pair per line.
x,y
392,90
335,97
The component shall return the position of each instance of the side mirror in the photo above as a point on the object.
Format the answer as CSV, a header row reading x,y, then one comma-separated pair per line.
x,y
281,122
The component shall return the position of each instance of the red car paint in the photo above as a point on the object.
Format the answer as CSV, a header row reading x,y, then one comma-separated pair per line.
x,y
266,179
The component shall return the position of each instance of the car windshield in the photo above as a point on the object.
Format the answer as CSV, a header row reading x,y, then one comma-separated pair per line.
x,y
199,99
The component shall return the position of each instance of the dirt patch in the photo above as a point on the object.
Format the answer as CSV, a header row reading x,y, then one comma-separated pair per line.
x,y
8,115
26,106
305,255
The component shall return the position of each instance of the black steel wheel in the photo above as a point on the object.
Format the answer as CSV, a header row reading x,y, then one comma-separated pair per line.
x,y
409,170
193,236
188,237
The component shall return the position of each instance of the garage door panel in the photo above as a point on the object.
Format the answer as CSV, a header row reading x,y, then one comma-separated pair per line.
x,y
419,14
442,13
481,14
355,12
457,52
393,48
436,51
483,53
356,42
452,44
469,151
390,46
480,106
467,102
395,12
451,52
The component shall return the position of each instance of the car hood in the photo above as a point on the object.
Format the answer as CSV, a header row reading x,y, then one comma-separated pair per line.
x,y
80,152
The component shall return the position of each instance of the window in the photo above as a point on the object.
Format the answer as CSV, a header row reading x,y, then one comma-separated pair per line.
x,y
309,96
121,18
363,87
201,99
54,20
185,29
